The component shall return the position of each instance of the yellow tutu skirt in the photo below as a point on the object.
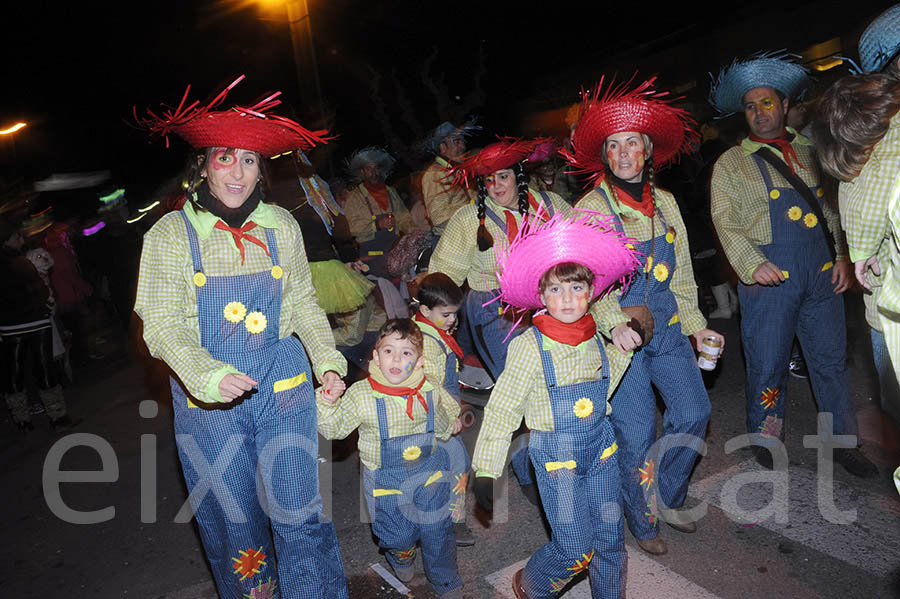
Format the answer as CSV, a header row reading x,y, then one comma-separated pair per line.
x,y
338,287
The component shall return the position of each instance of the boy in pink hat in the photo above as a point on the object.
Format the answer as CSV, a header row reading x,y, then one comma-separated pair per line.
x,y
559,376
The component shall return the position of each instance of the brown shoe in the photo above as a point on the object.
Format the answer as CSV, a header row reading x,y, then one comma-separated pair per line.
x,y
687,527
518,589
654,546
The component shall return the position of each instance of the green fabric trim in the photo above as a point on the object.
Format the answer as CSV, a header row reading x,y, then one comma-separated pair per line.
x,y
483,474
619,208
212,387
204,221
326,366
442,162
547,343
857,255
749,146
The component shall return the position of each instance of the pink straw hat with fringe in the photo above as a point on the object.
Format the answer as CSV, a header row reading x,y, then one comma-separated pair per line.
x,y
585,237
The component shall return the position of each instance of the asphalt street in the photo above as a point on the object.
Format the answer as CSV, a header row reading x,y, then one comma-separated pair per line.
x,y
138,549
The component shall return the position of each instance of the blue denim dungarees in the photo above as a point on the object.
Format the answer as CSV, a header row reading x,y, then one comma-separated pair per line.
x,y
407,499
578,476
668,361
460,462
270,434
805,304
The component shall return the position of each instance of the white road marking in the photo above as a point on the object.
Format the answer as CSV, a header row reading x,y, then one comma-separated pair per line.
x,y
391,579
647,579
868,541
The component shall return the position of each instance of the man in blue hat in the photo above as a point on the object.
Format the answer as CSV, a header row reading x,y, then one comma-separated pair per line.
x,y
786,246
442,199
864,203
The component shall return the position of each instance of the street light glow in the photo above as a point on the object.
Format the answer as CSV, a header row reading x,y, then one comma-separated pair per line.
x,y
12,129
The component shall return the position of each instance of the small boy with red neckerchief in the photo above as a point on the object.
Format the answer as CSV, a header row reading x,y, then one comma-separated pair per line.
x,y
401,419
439,299
559,376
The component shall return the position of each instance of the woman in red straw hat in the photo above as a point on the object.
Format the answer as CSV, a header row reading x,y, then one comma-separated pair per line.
x,y
466,251
621,137
224,284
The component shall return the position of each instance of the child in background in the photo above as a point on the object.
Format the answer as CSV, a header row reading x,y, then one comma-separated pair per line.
x,y
400,417
439,299
559,375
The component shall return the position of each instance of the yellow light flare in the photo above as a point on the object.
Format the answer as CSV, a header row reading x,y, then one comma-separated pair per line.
x,y
13,129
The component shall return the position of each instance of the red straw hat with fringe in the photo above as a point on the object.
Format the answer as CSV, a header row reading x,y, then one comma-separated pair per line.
x,y
248,128
497,156
618,109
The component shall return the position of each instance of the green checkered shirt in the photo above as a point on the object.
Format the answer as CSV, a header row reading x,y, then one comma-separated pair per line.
x,y
521,391
739,202
864,211
457,255
606,312
357,410
167,296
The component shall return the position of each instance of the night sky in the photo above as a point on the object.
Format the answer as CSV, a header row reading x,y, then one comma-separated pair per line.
x,y
74,70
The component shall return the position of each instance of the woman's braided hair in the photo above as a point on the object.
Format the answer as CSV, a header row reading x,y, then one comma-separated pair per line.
x,y
484,239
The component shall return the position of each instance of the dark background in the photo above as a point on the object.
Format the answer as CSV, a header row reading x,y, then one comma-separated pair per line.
x,y
75,70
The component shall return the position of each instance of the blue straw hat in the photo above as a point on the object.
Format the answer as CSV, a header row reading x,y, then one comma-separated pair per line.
x,y
769,69
446,129
880,41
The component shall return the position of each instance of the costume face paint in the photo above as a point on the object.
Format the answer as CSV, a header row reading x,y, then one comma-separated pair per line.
x,y
232,176
501,186
764,112
443,317
567,302
396,358
626,155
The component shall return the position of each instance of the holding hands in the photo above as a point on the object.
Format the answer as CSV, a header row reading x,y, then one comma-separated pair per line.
x,y
332,387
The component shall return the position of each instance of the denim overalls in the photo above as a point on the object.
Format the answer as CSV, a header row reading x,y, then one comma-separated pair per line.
x,y
271,434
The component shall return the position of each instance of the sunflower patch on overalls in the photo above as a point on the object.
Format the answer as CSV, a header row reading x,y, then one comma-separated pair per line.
x,y
270,434
407,499
580,487
804,305
459,460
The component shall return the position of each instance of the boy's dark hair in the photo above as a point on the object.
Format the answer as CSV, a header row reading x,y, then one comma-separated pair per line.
x,y
406,328
566,272
437,289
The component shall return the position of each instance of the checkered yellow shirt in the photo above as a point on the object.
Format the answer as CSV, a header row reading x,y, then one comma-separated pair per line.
x,y
167,297
739,202
360,219
682,284
441,198
864,211
457,255
357,410
435,358
522,392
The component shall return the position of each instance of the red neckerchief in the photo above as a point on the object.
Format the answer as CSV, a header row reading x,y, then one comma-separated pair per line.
x,y
534,207
571,334
409,392
380,193
645,206
447,337
781,142
240,234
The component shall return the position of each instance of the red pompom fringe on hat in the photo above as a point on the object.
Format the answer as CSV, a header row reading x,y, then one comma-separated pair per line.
x,y
642,109
497,156
250,128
